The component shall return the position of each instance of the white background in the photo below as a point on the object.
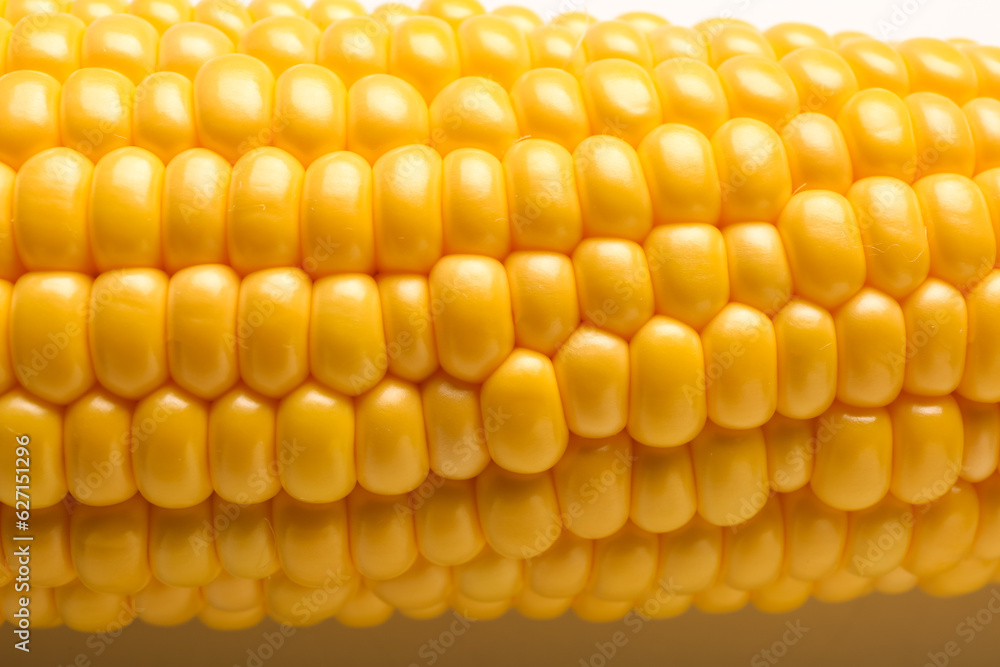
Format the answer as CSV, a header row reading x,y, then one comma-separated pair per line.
x,y
889,20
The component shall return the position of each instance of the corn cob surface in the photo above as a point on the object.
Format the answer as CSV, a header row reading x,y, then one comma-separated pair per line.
x,y
509,313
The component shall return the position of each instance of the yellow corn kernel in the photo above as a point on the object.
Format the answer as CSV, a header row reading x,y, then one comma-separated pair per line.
x,y
42,602
162,14
272,330
663,492
729,39
927,451
423,52
241,450
48,335
879,135
195,199
562,570
758,273
407,209
892,231
936,326
15,10
85,610
88,10
354,47
614,200
447,525
425,585
185,47
621,100
519,514
616,39
472,112
488,578
109,546
125,205
818,158
382,538
986,63
127,328
548,103
539,607
878,537
757,87
51,46
593,483
681,173
815,535
753,552
310,113
876,65
474,204
823,79
407,313
687,267
312,543
181,552
325,12
97,449
95,115
390,439
262,229
233,102
228,16
281,42
853,456
315,444
456,436
730,469
262,9
753,171
942,134
543,299
167,606
690,557
523,18
614,285
938,67
842,586
624,565
122,43
364,609
454,12
163,115
741,367
522,396
170,448
51,557
7,376
787,37
29,116
982,360
202,329
246,544
790,449
292,604
823,244
782,595
335,218
36,425
871,349
805,341
5,32
667,404
981,432
691,95
592,370
542,197
230,593
673,41
987,544
218,619
493,47
346,337
983,117
943,533
959,232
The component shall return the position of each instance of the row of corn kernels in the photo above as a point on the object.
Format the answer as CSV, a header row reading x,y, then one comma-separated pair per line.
x,y
319,446
424,555
236,104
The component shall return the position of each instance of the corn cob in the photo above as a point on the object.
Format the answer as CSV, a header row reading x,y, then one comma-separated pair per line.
x,y
736,263
170,565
